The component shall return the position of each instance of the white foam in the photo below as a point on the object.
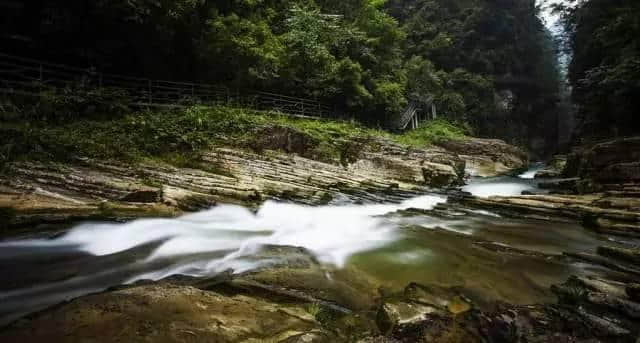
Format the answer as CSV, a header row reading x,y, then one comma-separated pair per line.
x,y
531,173
331,233
504,188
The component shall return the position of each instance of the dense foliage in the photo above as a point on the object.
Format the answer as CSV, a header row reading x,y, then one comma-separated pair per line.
x,y
180,136
489,64
604,38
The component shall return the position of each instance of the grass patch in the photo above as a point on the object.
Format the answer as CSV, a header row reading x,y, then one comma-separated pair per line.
x,y
432,132
180,136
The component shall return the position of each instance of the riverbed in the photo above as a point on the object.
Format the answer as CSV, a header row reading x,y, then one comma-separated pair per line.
x,y
489,257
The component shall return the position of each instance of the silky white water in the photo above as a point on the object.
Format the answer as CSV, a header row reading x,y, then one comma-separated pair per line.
x,y
95,256
395,250
331,233
531,173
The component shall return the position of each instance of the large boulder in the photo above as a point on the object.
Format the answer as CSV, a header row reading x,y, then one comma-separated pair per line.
x,y
554,169
488,157
417,304
613,161
393,314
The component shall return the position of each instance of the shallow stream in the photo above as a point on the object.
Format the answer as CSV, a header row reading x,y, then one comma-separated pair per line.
x,y
389,251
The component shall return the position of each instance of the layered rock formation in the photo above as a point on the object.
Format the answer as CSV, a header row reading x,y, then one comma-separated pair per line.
x,y
488,157
601,189
608,164
33,192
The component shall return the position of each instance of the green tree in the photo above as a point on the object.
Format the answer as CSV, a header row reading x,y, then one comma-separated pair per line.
x,y
604,38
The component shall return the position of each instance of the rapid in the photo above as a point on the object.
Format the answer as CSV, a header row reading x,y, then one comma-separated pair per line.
x,y
390,249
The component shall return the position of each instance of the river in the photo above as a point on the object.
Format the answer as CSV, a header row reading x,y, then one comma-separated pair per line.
x,y
390,251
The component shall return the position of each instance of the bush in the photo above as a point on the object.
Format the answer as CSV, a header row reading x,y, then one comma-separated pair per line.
x,y
432,132
64,104
180,136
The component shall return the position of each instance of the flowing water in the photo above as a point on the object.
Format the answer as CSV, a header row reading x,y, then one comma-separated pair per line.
x,y
390,250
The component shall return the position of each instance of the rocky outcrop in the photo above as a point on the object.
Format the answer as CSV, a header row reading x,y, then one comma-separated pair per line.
x,y
554,168
488,157
589,310
602,212
614,161
32,192
171,313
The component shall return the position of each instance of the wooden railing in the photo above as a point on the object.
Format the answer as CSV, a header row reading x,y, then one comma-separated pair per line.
x,y
408,116
26,76
412,116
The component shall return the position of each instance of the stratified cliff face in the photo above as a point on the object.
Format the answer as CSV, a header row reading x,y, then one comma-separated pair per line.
x,y
33,192
614,161
488,157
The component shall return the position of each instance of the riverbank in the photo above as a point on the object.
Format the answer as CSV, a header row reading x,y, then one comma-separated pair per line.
x,y
596,185
462,269
165,164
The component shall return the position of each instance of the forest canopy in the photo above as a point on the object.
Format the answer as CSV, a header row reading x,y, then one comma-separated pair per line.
x,y
487,64
603,37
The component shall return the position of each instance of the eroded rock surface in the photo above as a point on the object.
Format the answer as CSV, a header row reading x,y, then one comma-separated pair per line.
x,y
33,192
603,212
554,168
488,157
170,313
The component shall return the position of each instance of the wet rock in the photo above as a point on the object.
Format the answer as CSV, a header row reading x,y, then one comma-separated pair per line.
x,y
400,315
619,172
35,207
488,157
444,299
617,154
380,171
394,313
439,176
605,262
612,161
311,337
633,291
600,308
593,210
548,174
554,168
628,255
170,313
571,185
